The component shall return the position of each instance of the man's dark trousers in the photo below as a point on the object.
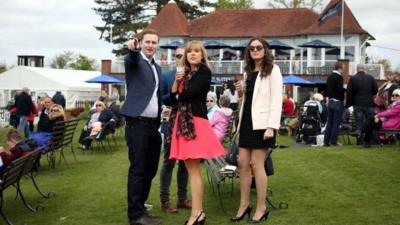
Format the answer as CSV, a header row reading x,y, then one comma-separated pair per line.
x,y
335,113
362,115
166,176
144,144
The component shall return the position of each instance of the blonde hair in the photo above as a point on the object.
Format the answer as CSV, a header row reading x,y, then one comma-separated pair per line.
x,y
59,108
13,135
318,97
195,45
396,91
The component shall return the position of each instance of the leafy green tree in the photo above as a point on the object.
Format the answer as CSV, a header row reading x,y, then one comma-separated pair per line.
x,y
386,64
62,60
3,68
83,63
234,4
128,17
315,5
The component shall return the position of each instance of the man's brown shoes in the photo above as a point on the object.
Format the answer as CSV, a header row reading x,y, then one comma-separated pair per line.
x,y
184,204
167,208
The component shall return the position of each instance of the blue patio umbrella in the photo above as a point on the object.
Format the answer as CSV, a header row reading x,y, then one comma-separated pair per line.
x,y
316,44
105,79
276,44
293,79
239,47
172,45
215,81
318,81
336,51
213,44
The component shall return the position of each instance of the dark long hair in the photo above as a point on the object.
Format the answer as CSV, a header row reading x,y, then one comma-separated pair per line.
x,y
268,60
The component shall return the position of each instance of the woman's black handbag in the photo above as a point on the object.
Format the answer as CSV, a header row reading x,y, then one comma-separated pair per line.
x,y
233,151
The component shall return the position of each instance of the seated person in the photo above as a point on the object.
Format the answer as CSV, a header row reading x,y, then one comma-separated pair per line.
x,y
96,123
41,138
221,118
288,106
288,109
388,119
44,120
17,147
314,102
321,107
56,114
211,103
115,109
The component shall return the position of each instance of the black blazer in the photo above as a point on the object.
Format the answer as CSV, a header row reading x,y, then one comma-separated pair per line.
x,y
361,90
24,104
140,85
334,87
197,91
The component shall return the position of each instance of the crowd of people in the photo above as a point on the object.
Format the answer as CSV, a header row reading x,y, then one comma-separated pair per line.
x,y
194,122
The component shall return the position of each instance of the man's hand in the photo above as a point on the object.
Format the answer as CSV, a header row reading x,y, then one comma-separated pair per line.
x,y
133,44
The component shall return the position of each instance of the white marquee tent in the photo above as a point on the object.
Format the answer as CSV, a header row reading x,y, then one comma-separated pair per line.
x,y
42,81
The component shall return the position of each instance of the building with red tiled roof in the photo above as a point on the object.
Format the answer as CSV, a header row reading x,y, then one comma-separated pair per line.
x,y
293,26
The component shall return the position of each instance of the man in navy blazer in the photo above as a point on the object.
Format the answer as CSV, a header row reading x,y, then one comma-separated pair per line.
x,y
142,110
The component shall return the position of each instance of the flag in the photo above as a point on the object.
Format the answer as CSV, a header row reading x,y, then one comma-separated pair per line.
x,y
335,9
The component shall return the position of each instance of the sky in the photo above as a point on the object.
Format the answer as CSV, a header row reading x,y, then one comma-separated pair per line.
x,y
50,27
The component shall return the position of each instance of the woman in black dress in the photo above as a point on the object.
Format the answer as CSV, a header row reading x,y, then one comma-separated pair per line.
x,y
260,115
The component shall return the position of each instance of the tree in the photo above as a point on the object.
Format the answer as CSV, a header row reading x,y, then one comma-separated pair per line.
x,y
314,5
83,63
3,68
386,64
234,4
62,60
128,17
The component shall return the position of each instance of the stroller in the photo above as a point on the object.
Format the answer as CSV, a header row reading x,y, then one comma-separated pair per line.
x,y
309,123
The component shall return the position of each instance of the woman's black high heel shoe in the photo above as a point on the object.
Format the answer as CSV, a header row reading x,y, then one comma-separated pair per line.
x,y
239,218
198,221
264,216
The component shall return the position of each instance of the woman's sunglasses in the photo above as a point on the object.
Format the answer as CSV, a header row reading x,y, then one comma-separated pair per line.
x,y
395,95
258,48
178,56
210,101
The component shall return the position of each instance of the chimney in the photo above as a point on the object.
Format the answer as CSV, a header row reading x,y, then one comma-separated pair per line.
x,y
106,66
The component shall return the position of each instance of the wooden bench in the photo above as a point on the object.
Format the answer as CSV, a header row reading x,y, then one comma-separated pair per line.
x,y
62,136
30,170
11,177
217,173
395,133
216,168
69,131
104,135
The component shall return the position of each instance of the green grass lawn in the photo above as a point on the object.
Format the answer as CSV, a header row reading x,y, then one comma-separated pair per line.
x,y
336,185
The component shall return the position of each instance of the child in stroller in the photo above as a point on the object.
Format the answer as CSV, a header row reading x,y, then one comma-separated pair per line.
x,y
309,123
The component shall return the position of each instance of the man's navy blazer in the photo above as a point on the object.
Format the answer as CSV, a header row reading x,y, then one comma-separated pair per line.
x,y
140,84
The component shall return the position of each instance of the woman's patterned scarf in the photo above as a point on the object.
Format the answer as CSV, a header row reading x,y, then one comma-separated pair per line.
x,y
185,126
185,120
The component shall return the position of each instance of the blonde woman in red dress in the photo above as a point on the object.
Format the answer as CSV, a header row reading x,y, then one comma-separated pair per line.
x,y
192,137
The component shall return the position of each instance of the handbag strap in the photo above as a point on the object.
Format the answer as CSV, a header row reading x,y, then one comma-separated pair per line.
x,y
235,137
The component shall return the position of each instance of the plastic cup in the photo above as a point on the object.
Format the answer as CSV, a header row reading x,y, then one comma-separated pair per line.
x,y
180,69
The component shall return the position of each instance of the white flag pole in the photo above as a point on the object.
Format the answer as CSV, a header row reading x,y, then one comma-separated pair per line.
x,y
342,49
